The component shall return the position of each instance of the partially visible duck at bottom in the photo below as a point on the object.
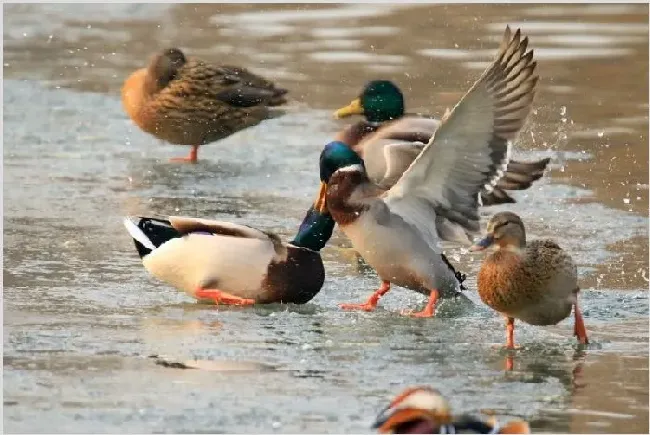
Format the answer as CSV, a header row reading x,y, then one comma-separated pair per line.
x,y
533,281
424,410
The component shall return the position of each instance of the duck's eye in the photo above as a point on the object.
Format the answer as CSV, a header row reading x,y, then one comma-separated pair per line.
x,y
497,227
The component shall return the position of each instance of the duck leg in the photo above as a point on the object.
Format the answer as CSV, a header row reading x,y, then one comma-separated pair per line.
x,y
510,333
429,310
191,158
222,298
371,303
579,329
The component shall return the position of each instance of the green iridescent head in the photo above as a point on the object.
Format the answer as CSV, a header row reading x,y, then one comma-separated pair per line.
x,y
318,225
380,101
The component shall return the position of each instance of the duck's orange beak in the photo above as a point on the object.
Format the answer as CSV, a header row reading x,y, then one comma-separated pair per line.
x,y
321,204
354,108
482,244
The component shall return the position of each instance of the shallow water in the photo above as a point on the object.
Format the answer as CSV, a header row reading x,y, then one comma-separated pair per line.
x,y
82,317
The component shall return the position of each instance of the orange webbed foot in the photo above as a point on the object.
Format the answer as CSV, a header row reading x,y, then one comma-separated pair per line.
x,y
183,160
191,158
359,307
372,301
419,314
429,310
222,298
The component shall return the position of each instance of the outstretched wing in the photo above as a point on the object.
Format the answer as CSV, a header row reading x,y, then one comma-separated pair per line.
x,y
470,148
389,152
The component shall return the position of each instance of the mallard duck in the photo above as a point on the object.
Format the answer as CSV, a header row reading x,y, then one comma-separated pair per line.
x,y
425,410
535,282
397,232
388,141
236,264
191,102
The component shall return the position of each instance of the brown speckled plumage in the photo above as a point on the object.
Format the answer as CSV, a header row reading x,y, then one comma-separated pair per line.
x,y
536,282
192,102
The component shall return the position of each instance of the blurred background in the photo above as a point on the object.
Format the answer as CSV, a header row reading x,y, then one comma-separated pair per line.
x,y
81,315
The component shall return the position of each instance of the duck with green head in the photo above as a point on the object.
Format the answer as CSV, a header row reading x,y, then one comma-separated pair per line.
x,y
235,264
398,232
389,139
336,157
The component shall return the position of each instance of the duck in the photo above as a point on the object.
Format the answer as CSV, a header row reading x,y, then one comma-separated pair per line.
x,y
532,281
398,232
188,101
424,410
388,140
234,264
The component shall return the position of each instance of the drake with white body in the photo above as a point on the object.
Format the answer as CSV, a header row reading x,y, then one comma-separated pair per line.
x,y
233,264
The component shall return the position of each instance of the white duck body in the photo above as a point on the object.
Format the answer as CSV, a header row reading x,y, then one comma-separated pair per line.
x,y
387,243
192,254
230,267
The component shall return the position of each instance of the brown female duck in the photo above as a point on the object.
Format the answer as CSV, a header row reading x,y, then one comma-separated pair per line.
x,y
535,282
424,410
191,102
388,140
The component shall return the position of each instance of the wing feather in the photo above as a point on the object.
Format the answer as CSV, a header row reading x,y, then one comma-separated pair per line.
x,y
470,149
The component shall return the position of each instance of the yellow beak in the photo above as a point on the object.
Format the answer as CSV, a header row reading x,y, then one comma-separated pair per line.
x,y
321,205
354,108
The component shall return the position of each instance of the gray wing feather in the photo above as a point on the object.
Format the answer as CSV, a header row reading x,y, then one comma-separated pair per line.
x,y
470,149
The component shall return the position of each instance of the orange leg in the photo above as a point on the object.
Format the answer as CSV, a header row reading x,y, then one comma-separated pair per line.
x,y
371,303
223,298
192,158
510,333
579,329
510,363
430,309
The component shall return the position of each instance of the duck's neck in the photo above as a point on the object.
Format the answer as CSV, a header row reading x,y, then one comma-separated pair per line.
x,y
315,230
355,133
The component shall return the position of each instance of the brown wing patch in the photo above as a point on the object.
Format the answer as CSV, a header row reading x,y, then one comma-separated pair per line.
x,y
186,225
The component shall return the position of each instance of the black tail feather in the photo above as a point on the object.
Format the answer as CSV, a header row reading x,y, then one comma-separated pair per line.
x,y
156,231
461,277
